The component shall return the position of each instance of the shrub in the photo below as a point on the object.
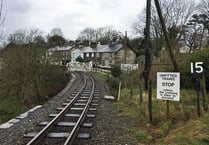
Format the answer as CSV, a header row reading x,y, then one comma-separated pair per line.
x,y
143,137
113,86
197,56
115,71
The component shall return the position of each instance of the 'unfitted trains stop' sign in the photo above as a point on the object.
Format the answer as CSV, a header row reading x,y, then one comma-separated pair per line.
x,y
168,86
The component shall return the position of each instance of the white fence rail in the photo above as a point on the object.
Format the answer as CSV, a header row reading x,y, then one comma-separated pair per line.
x,y
80,66
129,67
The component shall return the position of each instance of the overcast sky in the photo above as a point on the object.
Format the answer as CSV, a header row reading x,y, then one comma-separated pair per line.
x,y
72,16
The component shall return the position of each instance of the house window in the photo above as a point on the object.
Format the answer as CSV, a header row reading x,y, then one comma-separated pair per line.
x,y
87,54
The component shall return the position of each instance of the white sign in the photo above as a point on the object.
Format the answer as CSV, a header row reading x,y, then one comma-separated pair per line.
x,y
129,67
168,86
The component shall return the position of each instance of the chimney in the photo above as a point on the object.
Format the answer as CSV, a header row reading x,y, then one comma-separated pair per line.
x,y
93,45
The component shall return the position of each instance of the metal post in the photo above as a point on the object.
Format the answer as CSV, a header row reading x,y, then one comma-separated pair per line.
x,y
198,95
125,47
167,109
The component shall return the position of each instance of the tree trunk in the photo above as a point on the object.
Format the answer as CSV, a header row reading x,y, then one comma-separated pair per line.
x,y
140,93
170,48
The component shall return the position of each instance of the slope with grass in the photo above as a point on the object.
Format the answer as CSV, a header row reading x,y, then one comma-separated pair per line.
x,y
183,127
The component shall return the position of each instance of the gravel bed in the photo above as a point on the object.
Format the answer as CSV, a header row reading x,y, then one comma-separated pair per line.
x,y
109,127
14,134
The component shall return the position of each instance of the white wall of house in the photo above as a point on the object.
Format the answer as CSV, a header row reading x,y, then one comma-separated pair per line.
x,y
75,54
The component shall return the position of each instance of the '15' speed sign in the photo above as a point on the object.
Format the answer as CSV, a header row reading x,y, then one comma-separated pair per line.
x,y
196,67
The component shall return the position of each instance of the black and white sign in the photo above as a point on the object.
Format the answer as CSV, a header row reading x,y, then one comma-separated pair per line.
x,y
168,86
196,67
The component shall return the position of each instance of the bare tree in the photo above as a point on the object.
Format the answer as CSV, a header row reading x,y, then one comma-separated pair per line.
x,y
167,19
107,34
56,31
87,34
196,31
103,34
18,37
23,36
175,13
22,77
33,34
203,7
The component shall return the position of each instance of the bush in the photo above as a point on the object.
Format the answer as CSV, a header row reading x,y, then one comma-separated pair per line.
x,y
79,59
26,78
197,56
113,86
115,71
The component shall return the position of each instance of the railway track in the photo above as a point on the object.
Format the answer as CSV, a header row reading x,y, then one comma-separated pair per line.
x,y
72,120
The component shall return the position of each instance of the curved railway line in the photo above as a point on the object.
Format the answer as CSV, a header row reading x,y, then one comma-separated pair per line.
x,y
77,113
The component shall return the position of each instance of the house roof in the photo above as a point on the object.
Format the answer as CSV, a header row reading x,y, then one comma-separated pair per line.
x,y
101,48
111,48
58,48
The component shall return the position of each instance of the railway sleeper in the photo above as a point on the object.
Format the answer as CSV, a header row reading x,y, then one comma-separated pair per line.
x,y
59,135
77,109
79,104
76,104
74,115
67,124
83,93
68,100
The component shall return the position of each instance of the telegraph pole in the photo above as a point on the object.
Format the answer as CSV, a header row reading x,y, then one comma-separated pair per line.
x,y
96,51
147,49
148,83
162,22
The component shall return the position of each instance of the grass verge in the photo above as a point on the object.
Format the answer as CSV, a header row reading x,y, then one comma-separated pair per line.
x,y
183,127
10,108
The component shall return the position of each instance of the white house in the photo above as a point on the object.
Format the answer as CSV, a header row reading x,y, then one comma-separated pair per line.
x,y
88,51
184,49
105,55
75,54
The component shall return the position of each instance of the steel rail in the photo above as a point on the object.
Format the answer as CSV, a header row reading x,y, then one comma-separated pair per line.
x,y
74,132
46,129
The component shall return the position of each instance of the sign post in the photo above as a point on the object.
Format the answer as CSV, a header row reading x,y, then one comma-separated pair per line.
x,y
168,87
197,70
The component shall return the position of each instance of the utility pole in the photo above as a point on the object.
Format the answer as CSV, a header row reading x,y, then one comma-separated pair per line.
x,y
147,49
148,83
96,51
162,22
125,47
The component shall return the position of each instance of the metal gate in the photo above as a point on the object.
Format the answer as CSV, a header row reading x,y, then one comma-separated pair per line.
x,y
80,66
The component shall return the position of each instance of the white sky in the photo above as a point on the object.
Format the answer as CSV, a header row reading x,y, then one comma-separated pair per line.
x,y
72,16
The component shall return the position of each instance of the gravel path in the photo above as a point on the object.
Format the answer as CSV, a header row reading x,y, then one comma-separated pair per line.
x,y
109,128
